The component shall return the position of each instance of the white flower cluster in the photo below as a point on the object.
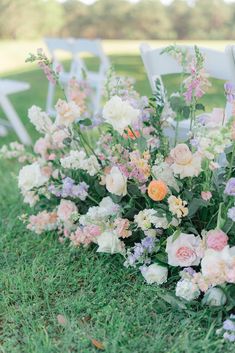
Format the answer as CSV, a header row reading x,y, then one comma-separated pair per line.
x,y
97,214
40,119
187,290
78,160
148,217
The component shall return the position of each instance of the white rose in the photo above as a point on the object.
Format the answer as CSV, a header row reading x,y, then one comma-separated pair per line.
x,y
214,297
183,251
67,112
187,290
155,274
110,243
30,176
116,182
119,114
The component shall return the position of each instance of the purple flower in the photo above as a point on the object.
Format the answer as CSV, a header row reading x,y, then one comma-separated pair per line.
x,y
229,88
229,337
148,244
230,187
229,325
189,270
231,213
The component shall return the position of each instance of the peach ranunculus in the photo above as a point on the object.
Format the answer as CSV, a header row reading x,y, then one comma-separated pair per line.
x,y
67,112
186,164
216,239
116,182
157,190
131,134
183,251
66,210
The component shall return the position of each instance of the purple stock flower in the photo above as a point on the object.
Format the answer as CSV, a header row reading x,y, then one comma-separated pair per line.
x,y
230,187
148,244
231,213
70,189
229,88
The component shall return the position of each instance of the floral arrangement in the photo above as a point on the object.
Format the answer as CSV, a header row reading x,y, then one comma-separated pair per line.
x,y
167,206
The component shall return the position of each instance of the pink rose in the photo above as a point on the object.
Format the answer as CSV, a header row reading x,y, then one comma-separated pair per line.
x,y
183,251
216,239
181,154
206,195
66,210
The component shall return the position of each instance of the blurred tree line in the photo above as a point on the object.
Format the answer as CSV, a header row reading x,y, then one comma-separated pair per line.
x,y
114,19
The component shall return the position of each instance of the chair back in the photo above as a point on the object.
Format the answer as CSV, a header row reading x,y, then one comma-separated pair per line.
x,y
218,64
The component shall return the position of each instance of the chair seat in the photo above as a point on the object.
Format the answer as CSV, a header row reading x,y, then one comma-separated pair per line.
x,y
10,86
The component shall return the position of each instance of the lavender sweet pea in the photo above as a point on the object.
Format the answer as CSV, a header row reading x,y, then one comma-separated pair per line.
x,y
230,187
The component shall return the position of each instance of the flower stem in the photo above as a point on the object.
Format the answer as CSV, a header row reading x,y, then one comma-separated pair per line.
x,y
231,162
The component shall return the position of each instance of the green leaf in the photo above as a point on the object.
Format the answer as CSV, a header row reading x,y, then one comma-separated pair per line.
x,y
176,234
200,106
186,112
194,206
85,122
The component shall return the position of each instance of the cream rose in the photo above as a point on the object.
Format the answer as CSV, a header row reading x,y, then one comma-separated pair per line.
x,y
183,251
110,243
67,112
119,114
31,176
116,182
181,154
154,274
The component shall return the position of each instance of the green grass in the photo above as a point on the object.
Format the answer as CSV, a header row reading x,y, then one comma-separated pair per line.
x,y
41,278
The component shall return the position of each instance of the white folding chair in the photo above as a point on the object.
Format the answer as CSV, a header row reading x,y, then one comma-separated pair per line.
x,y
218,64
8,87
77,47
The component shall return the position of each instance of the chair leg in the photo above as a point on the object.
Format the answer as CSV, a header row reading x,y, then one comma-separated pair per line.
x,y
50,98
15,120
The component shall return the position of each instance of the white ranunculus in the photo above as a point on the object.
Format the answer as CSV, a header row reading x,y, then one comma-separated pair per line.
x,y
119,114
187,290
154,274
110,243
30,176
116,182
214,297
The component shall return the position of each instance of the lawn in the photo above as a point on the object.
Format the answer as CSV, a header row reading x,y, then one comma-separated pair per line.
x,y
100,299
